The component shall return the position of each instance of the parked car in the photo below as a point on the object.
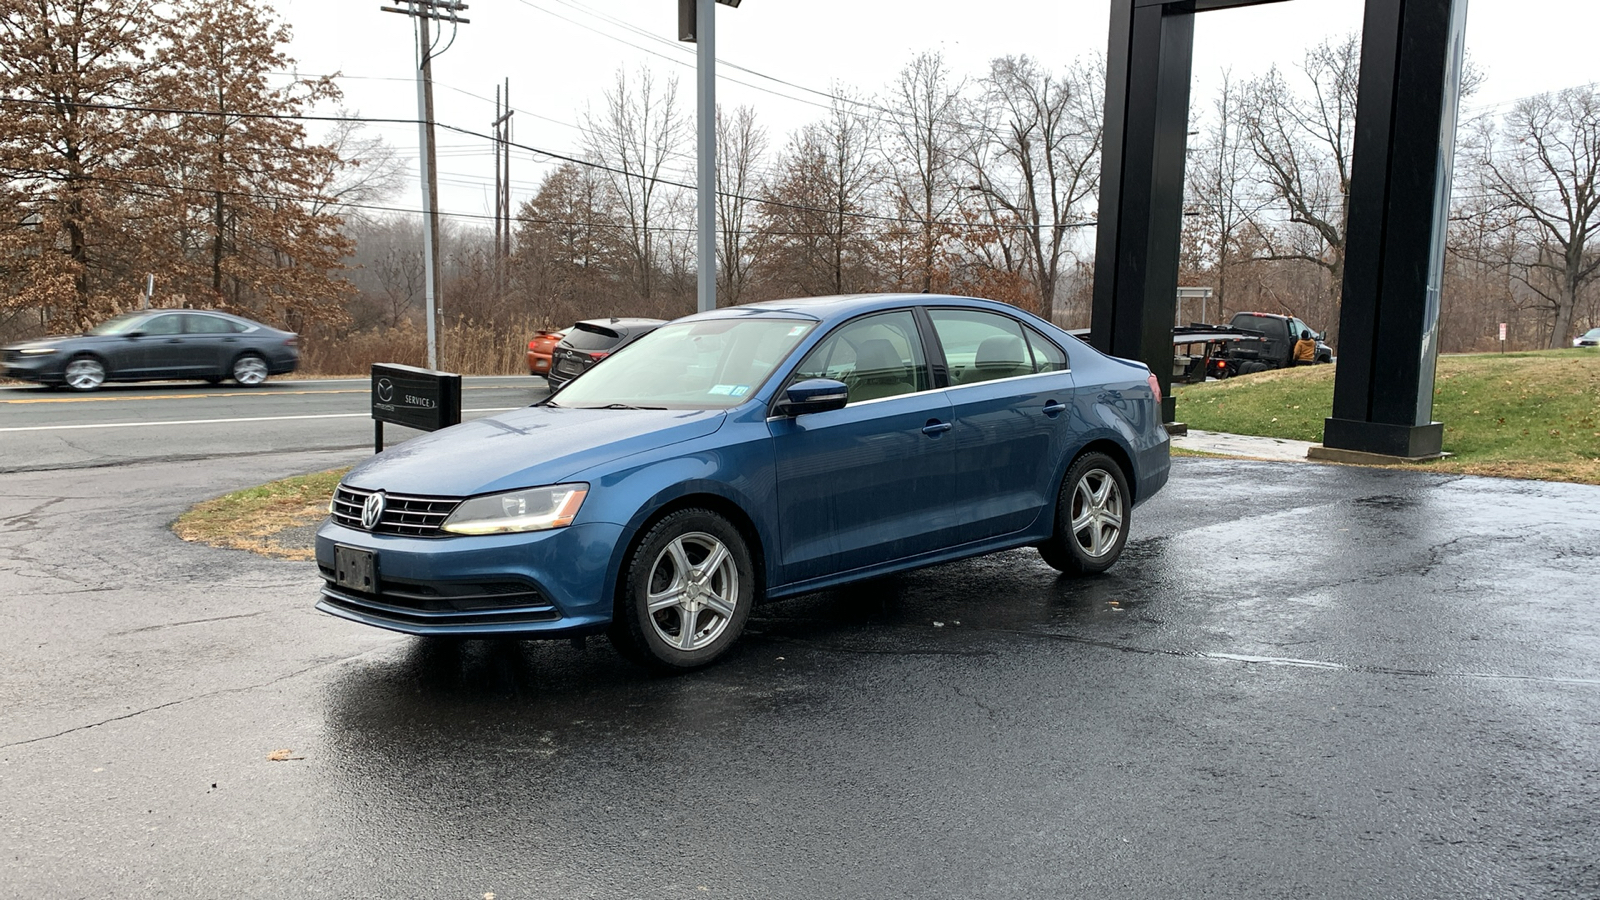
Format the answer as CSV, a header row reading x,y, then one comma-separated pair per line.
x,y
1590,338
751,453
592,340
540,348
152,345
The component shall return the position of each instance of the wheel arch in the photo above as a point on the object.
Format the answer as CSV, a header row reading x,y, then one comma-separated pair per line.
x,y
691,498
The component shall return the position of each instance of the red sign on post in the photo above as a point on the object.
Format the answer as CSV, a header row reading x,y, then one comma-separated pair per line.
x,y
1502,331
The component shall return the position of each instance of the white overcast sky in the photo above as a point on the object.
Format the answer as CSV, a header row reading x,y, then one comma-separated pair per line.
x,y
561,54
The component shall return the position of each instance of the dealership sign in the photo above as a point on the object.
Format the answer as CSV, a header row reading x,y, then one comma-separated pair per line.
x,y
413,397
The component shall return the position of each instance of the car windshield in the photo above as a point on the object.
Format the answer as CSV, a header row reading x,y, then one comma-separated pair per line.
x,y
119,324
704,364
1592,334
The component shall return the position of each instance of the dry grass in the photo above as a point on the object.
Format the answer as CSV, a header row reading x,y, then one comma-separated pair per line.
x,y
254,518
467,348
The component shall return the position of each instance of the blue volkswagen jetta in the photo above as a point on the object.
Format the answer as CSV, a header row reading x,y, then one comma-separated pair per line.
x,y
751,453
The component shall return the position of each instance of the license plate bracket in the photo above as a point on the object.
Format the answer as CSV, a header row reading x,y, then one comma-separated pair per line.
x,y
355,568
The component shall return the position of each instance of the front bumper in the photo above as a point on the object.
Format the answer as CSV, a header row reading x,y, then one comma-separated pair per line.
x,y
541,584
43,369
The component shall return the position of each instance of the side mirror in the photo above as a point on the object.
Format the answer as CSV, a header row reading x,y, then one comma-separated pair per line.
x,y
813,395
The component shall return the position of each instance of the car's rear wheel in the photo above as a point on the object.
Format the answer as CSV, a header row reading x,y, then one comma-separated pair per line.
x,y
689,585
250,370
1092,517
85,373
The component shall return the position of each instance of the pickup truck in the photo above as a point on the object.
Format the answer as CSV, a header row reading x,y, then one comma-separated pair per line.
x,y
1252,342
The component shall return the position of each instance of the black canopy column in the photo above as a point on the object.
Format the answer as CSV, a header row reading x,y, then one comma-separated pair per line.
x,y
1411,58
1141,184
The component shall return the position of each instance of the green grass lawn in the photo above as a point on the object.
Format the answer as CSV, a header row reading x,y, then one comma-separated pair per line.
x,y
1520,415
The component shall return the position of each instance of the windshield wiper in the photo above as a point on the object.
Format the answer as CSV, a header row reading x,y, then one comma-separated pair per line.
x,y
621,406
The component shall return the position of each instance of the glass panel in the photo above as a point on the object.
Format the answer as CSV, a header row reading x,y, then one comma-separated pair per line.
x,y
981,346
704,364
1047,357
169,324
209,325
119,324
876,356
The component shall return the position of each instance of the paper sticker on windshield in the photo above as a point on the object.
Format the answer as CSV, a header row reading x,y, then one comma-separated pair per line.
x,y
798,329
721,390
739,390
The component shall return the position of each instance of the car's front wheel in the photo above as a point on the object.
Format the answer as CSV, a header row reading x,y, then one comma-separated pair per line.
x,y
1092,517
689,586
249,370
85,373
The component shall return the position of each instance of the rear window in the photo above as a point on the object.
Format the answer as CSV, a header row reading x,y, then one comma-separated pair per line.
x,y
1274,329
582,338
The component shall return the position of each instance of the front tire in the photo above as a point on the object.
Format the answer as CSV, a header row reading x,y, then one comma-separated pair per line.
x,y
1093,513
250,370
85,373
689,586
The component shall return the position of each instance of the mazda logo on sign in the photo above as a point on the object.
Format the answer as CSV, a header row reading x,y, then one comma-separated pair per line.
x,y
372,510
385,390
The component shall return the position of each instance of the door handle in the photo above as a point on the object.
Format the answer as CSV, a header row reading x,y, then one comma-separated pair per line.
x,y
934,428
174,340
1053,409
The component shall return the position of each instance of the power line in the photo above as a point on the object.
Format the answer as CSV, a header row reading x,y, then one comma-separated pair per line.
x,y
552,155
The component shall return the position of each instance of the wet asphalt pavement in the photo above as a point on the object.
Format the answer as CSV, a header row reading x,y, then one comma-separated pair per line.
x,y
1301,681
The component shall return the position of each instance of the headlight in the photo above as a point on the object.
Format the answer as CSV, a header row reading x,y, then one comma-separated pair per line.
x,y
37,351
532,509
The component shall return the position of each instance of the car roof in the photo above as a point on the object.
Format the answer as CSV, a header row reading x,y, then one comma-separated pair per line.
x,y
846,305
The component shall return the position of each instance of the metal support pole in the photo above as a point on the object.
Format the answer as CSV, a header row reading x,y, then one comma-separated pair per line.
x,y
705,36
424,165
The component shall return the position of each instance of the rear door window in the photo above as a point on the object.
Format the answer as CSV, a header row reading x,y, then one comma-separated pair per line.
x,y
210,325
981,346
1047,357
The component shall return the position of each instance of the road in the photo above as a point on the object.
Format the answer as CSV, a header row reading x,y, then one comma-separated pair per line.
x,y
119,424
1300,681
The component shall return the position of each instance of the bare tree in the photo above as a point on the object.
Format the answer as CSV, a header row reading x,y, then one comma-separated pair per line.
x,y
369,172
1222,201
741,146
816,213
1303,144
1542,170
638,131
923,144
1038,159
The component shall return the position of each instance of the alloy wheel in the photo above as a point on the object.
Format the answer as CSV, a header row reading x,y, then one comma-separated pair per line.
x,y
693,591
1096,513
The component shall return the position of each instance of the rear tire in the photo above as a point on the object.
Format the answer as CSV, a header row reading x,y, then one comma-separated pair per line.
x,y
688,588
1093,513
85,373
250,370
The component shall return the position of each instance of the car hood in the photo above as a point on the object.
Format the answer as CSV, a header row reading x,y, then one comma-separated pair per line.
x,y
528,447
51,341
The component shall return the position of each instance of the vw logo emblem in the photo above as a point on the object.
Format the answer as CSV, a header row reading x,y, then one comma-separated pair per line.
x,y
372,510
385,390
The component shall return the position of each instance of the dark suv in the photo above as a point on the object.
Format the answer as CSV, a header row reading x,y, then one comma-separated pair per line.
x,y
592,340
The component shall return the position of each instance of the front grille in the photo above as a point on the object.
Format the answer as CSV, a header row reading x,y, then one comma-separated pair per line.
x,y
402,514
11,356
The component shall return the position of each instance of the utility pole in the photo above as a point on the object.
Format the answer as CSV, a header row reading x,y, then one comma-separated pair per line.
x,y
697,21
502,185
424,11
